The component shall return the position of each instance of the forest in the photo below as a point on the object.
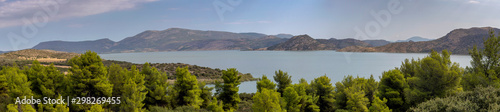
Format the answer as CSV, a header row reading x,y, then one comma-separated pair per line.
x,y
432,83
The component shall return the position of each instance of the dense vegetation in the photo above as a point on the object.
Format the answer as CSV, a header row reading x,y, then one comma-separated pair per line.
x,y
432,83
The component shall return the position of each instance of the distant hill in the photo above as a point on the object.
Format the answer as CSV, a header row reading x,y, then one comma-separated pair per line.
x,y
306,43
172,39
101,45
284,35
376,43
458,41
414,39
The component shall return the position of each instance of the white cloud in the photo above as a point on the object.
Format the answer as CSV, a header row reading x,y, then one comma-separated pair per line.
x,y
473,2
11,13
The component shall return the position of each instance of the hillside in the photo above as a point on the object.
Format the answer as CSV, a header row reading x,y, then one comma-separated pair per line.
x,y
101,45
59,58
172,39
414,39
376,43
306,43
458,41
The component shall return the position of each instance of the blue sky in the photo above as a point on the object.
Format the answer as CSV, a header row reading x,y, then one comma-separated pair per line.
x,y
77,20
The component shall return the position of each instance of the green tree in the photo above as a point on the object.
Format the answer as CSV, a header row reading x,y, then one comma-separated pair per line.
x,y
215,106
292,99
283,80
134,91
229,95
485,68
206,95
4,93
156,85
307,98
45,82
265,83
187,90
96,108
89,78
435,76
266,101
18,86
379,105
325,91
356,100
392,86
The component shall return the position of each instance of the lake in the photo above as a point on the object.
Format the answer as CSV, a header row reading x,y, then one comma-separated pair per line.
x,y
298,64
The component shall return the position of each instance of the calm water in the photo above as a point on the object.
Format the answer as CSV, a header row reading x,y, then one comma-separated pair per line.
x,y
298,64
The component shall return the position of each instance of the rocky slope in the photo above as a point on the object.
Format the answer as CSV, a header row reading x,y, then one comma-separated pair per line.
x,y
172,39
458,41
306,43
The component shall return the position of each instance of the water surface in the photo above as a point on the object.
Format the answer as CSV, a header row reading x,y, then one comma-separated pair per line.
x,y
298,64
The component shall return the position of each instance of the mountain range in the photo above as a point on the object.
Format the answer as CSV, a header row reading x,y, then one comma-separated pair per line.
x,y
172,39
414,39
458,41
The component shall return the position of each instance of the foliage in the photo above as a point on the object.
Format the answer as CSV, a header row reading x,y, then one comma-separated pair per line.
x,y
485,68
392,86
283,80
325,91
45,82
215,106
229,95
265,83
187,90
206,94
435,76
17,87
89,78
134,91
266,101
379,105
480,99
292,99
156,85
356,100
96,108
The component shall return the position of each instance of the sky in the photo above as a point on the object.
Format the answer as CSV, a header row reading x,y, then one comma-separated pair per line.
x,y
25,23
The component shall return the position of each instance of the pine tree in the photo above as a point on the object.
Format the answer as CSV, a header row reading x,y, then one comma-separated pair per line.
x,y
89,78
283,80
292,99
96,108
45,82
206,94
392,86
266,101
265,83
134,92
325,91
356,100
18,86
379,105
307,99
485,70
229,95
215,106
435,76
156,84
4,93
187,90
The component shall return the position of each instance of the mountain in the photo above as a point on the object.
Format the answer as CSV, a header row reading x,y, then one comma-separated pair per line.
x,y
284,35
172,39
306,43
414,39
376,43
101,45
458,41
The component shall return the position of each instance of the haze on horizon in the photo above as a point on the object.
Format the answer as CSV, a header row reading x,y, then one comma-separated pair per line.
x,y
72,20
